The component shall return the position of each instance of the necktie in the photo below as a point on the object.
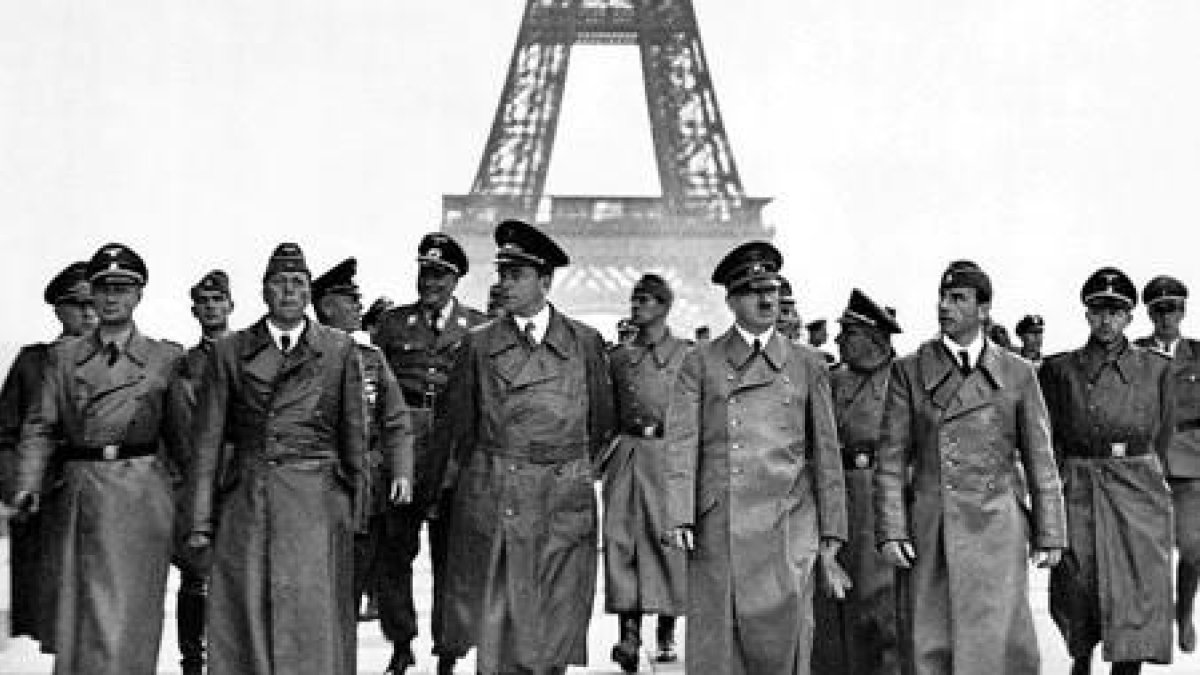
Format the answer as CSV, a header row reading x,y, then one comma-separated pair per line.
x,y
530,336
435,316
757,348
964,359
112,352
285,343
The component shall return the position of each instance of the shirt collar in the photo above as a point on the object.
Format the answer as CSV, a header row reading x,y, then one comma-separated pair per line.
x,y
974,349
444,313
293,334
763,337
1167,348
541,323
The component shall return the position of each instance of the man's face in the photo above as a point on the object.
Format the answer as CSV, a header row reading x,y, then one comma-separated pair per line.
x,y
435,285
115,301
212,310
754,310
522,290
287,295
855,344
960,314
1166,316
78,317
1108,323
1031,341
342,311
645,309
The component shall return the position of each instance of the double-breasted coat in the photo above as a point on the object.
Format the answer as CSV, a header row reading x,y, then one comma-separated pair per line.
x,y
857,635
641,573
1112,417
280,502
753,464
117,515
947,480
526,422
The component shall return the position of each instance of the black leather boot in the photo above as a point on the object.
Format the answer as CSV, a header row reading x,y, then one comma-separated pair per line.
x,y
625,652
666,640
189,627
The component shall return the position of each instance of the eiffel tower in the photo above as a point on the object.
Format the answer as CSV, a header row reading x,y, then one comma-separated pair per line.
x,y
612,240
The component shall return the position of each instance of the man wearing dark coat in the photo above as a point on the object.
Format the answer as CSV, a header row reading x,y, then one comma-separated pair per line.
x,y
754,479
527,410
1111,407
32,556
286,394
642,574
857,635
1166,302
960,414
211,306
420,341
106,415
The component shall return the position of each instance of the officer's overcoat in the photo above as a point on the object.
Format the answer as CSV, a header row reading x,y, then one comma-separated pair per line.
x,y
641,573
117,516
1183,457
281,595
948,481
753,463
526,424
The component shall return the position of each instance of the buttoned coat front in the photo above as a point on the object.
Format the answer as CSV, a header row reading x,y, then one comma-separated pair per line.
x,y
753,464
280,504
947,481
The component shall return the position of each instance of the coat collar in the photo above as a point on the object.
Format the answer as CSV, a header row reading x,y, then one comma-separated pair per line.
x,y
559,335
737,352
662,350
937,365
137,347
1093,357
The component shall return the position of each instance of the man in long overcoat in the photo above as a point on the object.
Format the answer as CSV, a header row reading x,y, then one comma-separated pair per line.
x,y
960,413
1166,303
34,539
857,635
287,395
106,414
642,574
754,482
527,410
1111,406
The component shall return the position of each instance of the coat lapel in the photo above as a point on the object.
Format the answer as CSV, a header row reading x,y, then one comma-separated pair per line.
x,y
456,326
541,367
762,369
506,350
939,375
309,347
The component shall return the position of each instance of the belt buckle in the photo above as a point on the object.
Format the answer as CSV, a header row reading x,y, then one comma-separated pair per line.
x,y
110,452
1118,449
648,431
862,460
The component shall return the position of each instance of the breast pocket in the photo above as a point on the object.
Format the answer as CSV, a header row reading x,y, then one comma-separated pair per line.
x,y
1187,392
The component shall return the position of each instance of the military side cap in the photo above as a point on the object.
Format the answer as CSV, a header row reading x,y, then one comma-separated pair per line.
x,y
339,280
523,244
69,285
862,309
966,274
1164,289
1030,323
286,257
656,287
376,310
117,263
439,250
786,297
1109,287
216,281
751,266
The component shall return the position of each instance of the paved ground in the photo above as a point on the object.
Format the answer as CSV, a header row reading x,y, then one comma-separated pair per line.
x,y
20,656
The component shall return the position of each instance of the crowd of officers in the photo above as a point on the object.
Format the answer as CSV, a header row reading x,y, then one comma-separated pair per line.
x,y
877,516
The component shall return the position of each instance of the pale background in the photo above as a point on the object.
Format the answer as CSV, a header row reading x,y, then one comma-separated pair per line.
x,y
1042,139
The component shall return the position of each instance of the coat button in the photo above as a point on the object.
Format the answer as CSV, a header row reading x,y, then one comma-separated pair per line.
x,y
508,512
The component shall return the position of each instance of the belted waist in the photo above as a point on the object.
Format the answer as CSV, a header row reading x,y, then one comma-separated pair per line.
x,y
1112,449
539,453
107,453
1190,425
420,400
647,429
859,455
298,461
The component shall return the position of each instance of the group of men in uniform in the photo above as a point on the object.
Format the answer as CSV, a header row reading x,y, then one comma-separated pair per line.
x,y
875,517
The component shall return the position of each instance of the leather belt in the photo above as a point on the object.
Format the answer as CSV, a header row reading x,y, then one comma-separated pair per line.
x,y
1190,425
1114,449
654,430
108,453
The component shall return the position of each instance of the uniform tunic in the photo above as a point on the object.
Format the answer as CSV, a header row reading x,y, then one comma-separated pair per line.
x,y
1114,583
526,422
281,502
857,636
753,464
117,515
947,480
641,574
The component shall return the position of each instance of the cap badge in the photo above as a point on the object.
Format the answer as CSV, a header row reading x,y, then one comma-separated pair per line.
x,y
1109,279
434,252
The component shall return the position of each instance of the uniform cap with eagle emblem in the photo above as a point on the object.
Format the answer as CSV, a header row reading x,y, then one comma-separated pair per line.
x,y
339,280
69,285
117,263
520,243
863,310
967,274
1109,287
753,266
215,281
439,250
1165,291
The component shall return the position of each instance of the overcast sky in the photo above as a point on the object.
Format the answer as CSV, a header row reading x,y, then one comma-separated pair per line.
x,y
1042,139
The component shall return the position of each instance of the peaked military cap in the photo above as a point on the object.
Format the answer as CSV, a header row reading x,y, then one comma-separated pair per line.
x,y
751,266
376,310
339,280
117,263
786,297
1030,323
1164,289
967,274
523,244
439,250
215,281
69,285
656,287
1109,287
287,257
815,325
862,309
